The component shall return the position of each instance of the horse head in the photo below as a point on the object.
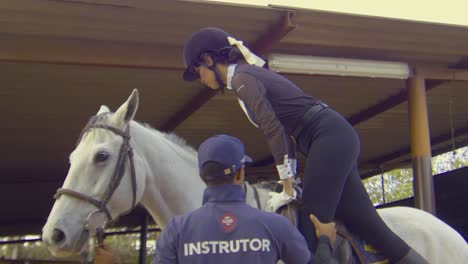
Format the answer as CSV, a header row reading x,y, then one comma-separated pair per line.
x,y
105,180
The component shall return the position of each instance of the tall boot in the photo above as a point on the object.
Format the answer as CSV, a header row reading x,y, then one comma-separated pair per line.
x,y
412,257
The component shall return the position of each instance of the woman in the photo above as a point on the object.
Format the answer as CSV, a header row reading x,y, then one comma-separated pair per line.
x,y
287,116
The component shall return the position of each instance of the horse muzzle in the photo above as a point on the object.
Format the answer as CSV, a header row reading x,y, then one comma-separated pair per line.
x,y
63,244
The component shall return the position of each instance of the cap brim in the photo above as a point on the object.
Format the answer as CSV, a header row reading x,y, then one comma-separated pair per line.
x,y
247,159
189,76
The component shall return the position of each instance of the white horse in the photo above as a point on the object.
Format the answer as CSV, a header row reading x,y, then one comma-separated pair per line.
x,y
162,175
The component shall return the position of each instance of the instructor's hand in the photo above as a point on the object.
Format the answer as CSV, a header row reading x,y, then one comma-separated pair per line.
x,y
104,255
324,229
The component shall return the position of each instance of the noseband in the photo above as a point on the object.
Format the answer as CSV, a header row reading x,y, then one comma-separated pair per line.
x,y
125,151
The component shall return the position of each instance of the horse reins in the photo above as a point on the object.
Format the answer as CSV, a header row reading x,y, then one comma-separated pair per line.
x,y
125,151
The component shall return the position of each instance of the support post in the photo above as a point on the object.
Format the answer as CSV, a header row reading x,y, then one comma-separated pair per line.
x,y
143,238
423,184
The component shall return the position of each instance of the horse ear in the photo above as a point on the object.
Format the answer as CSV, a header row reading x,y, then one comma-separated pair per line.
x,y
103,109
126,111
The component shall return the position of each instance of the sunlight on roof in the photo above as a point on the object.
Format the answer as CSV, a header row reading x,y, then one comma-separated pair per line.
x,y
446,12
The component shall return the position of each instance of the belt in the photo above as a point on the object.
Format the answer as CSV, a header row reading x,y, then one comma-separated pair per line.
x,y
306,118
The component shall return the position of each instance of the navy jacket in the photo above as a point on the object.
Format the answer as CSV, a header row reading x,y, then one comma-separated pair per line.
x,y
272,103
227,230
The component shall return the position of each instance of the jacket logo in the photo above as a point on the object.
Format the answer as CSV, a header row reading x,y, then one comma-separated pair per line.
x,y
228,222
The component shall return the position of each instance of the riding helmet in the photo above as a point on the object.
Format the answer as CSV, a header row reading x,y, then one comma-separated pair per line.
x,y
204,40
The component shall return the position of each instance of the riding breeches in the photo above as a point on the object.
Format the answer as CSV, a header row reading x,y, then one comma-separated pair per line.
x,y
332,187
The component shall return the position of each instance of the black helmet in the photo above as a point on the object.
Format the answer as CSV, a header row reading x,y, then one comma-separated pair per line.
x,y
206,39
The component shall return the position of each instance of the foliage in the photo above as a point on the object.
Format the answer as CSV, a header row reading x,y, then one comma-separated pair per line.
x,y
126,246
26,250
450,161
398,184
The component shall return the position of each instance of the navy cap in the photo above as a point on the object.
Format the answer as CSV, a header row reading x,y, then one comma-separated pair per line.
x,y
224,149
206,39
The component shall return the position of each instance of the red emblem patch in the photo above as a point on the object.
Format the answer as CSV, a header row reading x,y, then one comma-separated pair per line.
x,y
228,222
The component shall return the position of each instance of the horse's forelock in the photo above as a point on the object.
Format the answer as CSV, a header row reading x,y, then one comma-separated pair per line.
x,y
93,120
103,118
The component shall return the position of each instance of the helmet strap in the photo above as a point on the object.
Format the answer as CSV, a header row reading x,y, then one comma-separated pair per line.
x,y
218,77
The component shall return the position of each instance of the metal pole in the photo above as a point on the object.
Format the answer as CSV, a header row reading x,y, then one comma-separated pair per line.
x,y
143,238
423,184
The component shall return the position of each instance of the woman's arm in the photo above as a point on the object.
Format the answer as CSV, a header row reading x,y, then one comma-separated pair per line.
x,y
288,186
253,96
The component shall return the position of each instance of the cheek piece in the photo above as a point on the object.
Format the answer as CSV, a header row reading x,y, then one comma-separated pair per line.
x,y
217,76
222,86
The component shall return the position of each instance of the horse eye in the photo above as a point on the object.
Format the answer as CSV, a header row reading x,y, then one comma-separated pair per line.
x,y
101,156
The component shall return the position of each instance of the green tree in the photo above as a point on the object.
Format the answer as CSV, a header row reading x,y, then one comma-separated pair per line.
x,y
398,184
126,246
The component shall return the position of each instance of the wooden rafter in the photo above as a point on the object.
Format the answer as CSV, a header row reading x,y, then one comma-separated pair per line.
x,y
444,74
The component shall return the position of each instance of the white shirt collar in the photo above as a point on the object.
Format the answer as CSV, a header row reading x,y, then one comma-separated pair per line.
x,y
230,74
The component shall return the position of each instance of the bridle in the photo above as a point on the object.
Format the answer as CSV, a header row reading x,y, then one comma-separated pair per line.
x,y
125,151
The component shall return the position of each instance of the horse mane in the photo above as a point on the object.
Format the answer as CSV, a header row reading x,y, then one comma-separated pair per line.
x,y
179,141
172,138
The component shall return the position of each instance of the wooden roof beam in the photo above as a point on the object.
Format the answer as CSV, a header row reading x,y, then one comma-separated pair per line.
x,y
27,49
402,96
274,34
264,43
444,74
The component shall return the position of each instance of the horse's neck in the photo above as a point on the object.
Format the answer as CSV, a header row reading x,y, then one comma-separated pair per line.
x,y
172,185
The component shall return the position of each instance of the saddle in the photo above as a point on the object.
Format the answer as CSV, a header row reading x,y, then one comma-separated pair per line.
x,y
347,248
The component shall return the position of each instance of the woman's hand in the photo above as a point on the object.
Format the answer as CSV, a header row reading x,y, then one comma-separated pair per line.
x,y
105,255
324,229
277,200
